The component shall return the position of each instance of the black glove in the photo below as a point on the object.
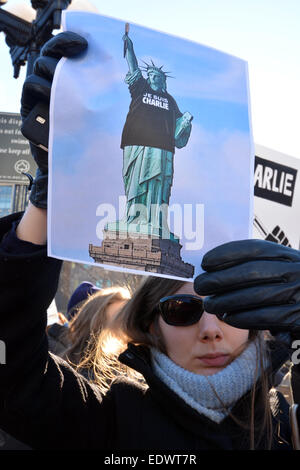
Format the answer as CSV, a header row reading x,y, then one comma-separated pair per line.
x,y
253,284
36,90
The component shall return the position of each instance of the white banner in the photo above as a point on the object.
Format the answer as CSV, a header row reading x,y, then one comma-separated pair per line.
x,y
276,197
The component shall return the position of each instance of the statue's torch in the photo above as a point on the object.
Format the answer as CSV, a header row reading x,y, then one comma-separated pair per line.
x,y
126,34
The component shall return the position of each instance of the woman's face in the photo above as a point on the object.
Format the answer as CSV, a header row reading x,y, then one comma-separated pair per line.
x,y
207,346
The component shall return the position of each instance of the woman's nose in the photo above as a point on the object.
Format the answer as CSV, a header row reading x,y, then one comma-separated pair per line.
x,y
209,328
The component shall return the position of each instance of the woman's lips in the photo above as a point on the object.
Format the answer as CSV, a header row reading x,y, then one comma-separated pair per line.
x,y
215,360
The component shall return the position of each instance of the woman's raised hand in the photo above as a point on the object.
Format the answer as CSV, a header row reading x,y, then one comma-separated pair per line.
x,y
253,284
36,90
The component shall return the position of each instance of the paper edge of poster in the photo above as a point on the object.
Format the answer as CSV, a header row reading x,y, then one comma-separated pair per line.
x,y
251,156
50,146
120,269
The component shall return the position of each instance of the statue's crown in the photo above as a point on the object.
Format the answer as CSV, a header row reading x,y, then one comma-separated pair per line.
x,y
153,68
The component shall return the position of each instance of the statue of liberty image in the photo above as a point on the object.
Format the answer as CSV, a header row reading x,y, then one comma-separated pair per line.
x,y
154,127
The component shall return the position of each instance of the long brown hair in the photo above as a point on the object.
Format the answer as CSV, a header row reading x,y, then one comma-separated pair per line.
x,y
85,327
131,324
134,320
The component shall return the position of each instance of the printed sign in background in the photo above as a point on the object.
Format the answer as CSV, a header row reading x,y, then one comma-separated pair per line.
x,y
15,156
276,197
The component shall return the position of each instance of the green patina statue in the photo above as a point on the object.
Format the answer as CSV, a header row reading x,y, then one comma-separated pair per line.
x,y
154,127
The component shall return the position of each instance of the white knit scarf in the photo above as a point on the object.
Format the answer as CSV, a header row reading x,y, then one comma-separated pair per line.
x,y
231,383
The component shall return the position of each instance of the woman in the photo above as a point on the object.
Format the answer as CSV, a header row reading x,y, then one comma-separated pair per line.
x,y
199,380
184,354
217,370
85,328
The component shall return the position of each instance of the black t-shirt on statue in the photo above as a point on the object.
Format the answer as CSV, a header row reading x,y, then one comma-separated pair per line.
x,y
151,119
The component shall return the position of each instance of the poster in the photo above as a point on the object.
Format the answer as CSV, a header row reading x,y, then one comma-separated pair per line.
x,y
276,197
151,151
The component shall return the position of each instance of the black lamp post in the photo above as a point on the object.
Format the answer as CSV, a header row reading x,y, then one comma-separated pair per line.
x,y
24,38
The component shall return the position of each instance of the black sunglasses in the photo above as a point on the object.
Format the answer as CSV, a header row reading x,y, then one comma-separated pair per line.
x,y
181,309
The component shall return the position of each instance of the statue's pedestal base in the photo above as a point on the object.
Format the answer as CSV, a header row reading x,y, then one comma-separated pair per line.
x,y
125,229
141,252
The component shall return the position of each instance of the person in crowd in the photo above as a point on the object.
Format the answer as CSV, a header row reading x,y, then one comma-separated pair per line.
x,y
82,335
56,334
57,337
80,295
203,365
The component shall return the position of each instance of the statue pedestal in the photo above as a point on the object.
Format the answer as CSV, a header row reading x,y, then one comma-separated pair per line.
x,y
124,230
141,252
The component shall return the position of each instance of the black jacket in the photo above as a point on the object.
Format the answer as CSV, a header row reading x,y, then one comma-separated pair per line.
x,y
57,340
47,405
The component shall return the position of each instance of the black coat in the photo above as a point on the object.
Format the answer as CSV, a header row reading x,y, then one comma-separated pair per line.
x,y
47,405
57,340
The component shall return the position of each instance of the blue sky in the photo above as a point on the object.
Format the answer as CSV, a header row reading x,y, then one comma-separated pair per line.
x,y
265,33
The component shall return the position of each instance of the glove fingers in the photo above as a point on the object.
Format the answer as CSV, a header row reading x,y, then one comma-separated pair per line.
x,y
253,297
66,44
35,89
38,194
45,67
232,253
246,275
275,318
